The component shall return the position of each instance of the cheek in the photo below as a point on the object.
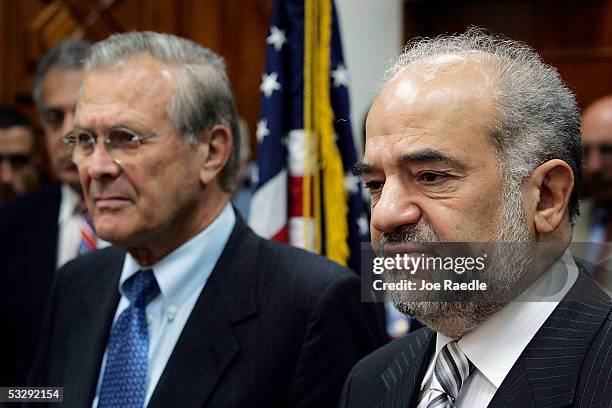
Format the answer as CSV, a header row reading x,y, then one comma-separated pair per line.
x,y
462,220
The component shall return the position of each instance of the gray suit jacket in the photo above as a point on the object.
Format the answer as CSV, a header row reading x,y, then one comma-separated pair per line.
x,y
568,363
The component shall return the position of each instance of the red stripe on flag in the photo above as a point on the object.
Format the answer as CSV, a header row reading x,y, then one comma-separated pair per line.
x,y
282,235
296,199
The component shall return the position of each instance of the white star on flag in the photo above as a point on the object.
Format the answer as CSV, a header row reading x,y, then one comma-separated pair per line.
x,y
269,84
351,183
365,195
262,130
362,222
341,76
276,38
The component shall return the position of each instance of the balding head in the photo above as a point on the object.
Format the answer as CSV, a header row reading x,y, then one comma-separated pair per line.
x,y
597,138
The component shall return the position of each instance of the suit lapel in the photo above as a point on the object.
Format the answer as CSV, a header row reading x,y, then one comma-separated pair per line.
x,y
547,371
403,377
514,391
207,344
98,304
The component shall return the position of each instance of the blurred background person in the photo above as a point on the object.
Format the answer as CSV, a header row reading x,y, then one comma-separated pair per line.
x,y
48,227
18,171
595,222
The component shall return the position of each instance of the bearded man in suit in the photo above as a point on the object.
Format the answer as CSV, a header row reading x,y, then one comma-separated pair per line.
x,y
474,139
188,308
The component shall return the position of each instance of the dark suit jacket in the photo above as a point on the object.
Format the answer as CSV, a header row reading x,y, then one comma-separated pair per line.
x,y
28,255
274,327
568,363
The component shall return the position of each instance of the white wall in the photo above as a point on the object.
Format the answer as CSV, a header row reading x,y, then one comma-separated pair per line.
x,y
371,33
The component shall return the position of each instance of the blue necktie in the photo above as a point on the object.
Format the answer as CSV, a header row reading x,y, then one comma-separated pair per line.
x,y
125,372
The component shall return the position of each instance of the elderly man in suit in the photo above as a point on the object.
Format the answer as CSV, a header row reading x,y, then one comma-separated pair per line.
x,y
189,308
474,139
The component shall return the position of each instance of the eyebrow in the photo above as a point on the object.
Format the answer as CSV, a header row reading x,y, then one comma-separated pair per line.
x,y
430,156
419,157
361,169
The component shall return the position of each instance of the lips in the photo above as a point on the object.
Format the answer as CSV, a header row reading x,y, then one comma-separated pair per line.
x,y
110,202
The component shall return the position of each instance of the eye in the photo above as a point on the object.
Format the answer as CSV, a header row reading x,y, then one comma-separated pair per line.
x,y
123,139
373,186
429,177
54,118
84,138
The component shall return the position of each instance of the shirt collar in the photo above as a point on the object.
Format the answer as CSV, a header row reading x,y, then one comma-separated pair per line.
x,y
70,199
188,267
497,343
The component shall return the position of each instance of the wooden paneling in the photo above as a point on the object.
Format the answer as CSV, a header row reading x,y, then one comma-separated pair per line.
x,y
235,29
573,36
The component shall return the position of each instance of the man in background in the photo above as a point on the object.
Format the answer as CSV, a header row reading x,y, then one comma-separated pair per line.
x,y
474,140
44,229
188,304
595,222
18,171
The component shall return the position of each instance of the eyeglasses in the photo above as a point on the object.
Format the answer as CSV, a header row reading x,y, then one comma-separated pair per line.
x,y
121,144
604,149
16,161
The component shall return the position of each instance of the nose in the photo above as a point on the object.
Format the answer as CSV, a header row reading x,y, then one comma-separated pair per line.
x,y
67,123
593,163
395,208
100,164
6,171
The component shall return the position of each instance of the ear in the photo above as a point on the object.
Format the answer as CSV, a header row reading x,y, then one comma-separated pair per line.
x,y
550,186
215,148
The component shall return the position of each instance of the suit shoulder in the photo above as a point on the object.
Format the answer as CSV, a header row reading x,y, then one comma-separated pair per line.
x,y
375,363
47,198
369,379
302,263
85,267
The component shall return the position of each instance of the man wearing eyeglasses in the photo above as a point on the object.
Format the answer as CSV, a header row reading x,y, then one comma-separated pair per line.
x,y
595,222
18,172
188,308
44,229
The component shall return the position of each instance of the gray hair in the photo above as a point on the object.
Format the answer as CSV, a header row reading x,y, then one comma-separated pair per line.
x,y
537,117
67,55
203,97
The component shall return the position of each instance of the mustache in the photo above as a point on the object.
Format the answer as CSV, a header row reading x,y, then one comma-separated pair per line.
x,y
420,233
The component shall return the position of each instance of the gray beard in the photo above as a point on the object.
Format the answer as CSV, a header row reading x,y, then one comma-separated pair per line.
x,y
508,269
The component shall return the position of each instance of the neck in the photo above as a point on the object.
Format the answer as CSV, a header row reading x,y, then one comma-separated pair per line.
x,y
183,229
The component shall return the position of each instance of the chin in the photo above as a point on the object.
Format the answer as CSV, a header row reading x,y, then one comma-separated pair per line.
x,y
110,230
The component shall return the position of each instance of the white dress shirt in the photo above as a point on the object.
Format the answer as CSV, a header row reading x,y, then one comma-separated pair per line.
x,y
181,276
70,223
497,343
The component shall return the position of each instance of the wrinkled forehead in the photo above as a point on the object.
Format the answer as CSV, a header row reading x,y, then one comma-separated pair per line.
x,y
140,84
446,104
435,88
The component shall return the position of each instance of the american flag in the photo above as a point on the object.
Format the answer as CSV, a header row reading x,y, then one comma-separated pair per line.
x,y
299,176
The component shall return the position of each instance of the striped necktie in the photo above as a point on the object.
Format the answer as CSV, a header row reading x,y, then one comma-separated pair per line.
x,y
450,373
124,382
88,235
